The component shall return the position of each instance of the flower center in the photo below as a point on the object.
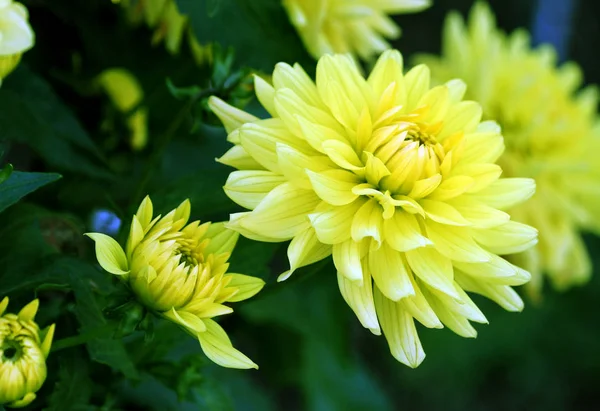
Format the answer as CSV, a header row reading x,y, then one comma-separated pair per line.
x,y
191,251
10,350
423,138
187,257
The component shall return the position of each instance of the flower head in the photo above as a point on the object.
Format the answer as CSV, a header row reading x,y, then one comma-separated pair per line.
x,y
348,26
179,271
23,352
16,35
551,132
396,179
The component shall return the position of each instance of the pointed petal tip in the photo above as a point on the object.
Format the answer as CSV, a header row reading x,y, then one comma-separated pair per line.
x,y
28,312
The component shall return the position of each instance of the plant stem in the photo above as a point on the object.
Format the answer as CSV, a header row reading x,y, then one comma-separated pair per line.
x,y
69,342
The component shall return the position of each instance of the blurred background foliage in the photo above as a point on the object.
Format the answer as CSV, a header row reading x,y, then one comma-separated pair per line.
x,y
313,354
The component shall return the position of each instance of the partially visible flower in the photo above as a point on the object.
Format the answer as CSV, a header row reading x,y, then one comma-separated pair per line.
x,y
359,27
169,25
179,271
16,35
393,178
23,352
551,131
126,94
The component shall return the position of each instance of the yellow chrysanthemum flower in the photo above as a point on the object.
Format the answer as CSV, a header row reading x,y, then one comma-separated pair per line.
x,y
359,27
126,93
551,133
23,352
396,179
180,272
16,35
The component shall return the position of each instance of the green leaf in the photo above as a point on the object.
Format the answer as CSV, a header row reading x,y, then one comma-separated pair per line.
x,y
105,350
74,386
19,184
258,30
31,113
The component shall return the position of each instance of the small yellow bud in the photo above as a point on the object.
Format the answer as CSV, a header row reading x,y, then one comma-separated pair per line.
x,y
23,352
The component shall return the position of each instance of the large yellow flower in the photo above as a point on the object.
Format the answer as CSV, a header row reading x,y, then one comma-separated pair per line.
x,y
180,272
23,352
396,179
551,134
359,27
16,35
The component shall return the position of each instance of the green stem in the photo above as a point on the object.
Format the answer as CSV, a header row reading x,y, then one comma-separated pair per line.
x,y
106,329
157,153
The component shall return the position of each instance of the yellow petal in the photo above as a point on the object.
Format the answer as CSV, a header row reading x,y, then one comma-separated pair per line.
x,y
508,238
456,243
451,319
479,214
443,213
422,188
347,260
187,320
503,295
294,164
48,335
144,213
417,84
231,117
390,272
283,212
249,187
316,134
402,232
507,192
265,94
333,225
3,305
419,308
222,239
217,347
247,286
388,69
238,157
359,296
368,222
399,330
296,79
451,187
304,249
334,186
28,312
462,117
342,154
433,269
496,271
109,253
